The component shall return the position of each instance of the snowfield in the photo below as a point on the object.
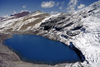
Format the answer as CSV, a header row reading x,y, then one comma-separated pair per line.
x,y
81,27
89,41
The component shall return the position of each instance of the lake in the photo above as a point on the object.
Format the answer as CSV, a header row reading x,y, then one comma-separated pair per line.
x,y
37,49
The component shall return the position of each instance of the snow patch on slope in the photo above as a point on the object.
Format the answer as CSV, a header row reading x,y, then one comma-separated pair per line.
x,y
27,22
89,41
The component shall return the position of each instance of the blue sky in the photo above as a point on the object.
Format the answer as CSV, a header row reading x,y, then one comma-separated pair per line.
x,y
8,7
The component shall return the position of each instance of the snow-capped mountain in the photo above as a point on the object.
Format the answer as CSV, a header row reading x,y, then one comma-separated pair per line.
x,y
81,27
1,18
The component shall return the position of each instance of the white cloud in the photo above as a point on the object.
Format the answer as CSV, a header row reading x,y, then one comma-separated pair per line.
x,y
71,5
24,6
60,7
48,4
73,2
25,11
14,12
54,12
57,4
62,3
81,6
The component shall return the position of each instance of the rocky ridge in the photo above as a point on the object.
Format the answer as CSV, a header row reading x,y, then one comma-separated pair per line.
x,y
81,28
26,22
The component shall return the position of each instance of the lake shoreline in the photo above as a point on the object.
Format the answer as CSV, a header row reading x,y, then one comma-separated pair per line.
x,y
19,61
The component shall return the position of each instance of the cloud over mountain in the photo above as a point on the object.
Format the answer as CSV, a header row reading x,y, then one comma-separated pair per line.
x,y
24,6
48,4
81,6
71,5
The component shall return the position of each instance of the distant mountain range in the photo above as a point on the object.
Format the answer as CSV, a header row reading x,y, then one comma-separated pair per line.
x,y
18,15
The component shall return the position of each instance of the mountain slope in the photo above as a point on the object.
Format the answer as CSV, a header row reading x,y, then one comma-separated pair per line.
x,y
14,23
1,18
81,27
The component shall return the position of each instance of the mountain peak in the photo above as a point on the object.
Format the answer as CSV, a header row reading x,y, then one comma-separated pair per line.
x,y
23,13
37,11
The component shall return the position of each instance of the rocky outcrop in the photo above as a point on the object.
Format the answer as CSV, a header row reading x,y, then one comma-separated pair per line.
x,y
81,27
66,23
18,15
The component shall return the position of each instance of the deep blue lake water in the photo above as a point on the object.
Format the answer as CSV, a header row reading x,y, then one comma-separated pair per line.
x,y
38,49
